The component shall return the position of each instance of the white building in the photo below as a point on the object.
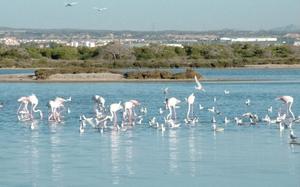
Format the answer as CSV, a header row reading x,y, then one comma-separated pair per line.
x,y
174,45
11,41
89,44
297,43
74,44
249,39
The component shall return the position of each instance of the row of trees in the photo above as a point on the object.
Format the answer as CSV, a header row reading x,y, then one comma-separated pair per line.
x,y
115,51
115,55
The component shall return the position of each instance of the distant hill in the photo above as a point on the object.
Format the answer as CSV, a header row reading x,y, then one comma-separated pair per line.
x,y
287,28
156,35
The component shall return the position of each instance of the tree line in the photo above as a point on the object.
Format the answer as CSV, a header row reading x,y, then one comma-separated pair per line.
x,y
153,55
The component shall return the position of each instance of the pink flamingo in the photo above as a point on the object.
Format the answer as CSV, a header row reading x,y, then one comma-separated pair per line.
x,y
190,101
288,100
23,111
171,105
55,105
114,108
129,110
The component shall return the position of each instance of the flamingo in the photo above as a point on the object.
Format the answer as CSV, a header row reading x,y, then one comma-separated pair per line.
x,y
55,105
34,102
23,112
288,100
171,105
190,101
128,110
23,108
114,108
99,106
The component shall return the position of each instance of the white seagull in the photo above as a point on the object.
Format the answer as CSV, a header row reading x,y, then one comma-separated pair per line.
x,y
248,102
99,9
199,86
226,92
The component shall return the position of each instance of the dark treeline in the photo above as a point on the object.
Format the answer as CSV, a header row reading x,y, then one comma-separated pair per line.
x,y
115,55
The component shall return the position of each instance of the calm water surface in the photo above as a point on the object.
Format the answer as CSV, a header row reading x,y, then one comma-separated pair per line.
x,y
192,156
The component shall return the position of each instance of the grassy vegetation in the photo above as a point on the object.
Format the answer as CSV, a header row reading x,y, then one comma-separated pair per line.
x,y
157,74
43,74
115,55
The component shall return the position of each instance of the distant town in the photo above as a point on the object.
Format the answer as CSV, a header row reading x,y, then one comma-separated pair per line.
x,y
289,35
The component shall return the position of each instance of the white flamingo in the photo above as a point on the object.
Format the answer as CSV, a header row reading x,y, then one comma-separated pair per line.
x,y
171,105
56,106
190,101
129,110
114,108
288,100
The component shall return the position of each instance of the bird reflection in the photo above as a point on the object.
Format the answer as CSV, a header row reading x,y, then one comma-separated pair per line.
x,y
115,157
173,152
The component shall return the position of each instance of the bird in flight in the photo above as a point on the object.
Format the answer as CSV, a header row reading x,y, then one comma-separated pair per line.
x,y
99,9
70,4
199,86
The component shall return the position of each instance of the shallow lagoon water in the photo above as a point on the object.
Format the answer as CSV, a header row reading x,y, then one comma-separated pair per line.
x,y
59,156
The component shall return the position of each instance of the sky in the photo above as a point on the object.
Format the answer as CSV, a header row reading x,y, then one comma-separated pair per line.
x,y
151,15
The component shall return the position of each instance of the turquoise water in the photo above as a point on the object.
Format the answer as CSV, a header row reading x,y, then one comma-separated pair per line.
x,y
58,155
16,71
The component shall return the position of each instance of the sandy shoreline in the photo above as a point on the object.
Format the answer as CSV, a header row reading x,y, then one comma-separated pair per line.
x,y
272,66
110,77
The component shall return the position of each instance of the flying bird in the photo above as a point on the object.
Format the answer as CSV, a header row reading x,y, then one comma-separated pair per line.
x,y
199,86
70,4
99,9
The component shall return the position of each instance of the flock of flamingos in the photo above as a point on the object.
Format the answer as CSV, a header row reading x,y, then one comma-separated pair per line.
x,y
107,118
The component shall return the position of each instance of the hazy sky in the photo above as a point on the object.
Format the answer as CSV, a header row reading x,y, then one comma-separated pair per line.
x,y
151,14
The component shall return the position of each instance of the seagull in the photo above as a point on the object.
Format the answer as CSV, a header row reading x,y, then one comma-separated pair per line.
x,y
292,135
238,121
99,9
226,92
270,109
199,86
166,91
201,107
267,119
71,4
161,111
213,110
226,120
215,99
248,102
213,120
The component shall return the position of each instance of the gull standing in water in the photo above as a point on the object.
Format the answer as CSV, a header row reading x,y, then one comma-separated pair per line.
x,y
226,92
292,135
248,102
